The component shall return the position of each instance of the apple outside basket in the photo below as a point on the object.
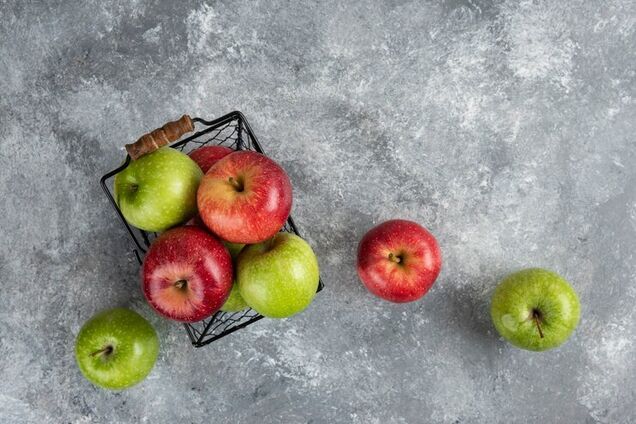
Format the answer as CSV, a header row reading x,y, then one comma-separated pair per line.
x,y
231,130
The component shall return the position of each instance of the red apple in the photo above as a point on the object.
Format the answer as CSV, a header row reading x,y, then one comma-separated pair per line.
x,y
187,274
398,260
207,156
245,198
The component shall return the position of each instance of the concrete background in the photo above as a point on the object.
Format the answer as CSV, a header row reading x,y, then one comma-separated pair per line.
x,y
506,127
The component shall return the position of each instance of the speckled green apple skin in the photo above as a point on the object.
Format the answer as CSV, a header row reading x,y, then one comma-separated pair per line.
x,y
135,348
234,302
279,277
522,292
158,190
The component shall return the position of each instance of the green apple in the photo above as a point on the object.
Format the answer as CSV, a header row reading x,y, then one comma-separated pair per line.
x,y
116,348
278,277
234,302
158,190
535,309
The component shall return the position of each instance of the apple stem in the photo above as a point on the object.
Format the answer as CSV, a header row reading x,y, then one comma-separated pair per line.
x,y
180,284
537,321
394,258
238,186
104,351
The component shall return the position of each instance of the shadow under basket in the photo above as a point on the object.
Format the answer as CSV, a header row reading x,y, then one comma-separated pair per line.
x,y
231,130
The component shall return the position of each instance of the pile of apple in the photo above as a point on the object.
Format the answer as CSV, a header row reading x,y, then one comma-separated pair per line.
x,y
220,213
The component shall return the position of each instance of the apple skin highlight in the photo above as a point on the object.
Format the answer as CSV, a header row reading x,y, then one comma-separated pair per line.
x,y
398,260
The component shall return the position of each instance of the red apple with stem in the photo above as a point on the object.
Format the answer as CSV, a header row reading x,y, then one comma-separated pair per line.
x,y
398,260
207,156
187,274
245,198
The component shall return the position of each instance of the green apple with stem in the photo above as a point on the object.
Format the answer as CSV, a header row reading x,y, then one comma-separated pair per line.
x,y
535,309
278,277
234,302
116,348
158,190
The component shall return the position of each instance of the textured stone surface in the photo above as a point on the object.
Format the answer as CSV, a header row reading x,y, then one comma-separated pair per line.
x,y
506,127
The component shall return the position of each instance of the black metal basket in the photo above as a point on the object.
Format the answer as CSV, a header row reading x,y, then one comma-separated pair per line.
x,y
231,130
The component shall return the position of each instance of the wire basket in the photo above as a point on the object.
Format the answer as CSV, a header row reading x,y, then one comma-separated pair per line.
x,y
231,130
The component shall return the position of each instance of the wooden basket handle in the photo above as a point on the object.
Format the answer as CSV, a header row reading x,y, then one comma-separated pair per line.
x,y
155,139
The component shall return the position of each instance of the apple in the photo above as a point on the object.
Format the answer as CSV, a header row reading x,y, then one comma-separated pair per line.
x,y
207,156
158,190
279,277
186,274
234,302
398,260
116,348
535,309
245,198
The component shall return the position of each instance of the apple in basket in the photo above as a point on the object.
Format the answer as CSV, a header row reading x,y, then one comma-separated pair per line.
x,y
278,277
116,348
158,190
207,156
245,197
187,274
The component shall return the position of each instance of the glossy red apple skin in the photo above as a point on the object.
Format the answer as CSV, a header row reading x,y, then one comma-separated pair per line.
x,y
399,260
187,274
207,156
245,198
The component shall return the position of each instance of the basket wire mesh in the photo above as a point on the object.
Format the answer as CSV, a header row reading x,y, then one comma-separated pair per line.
x,y
231,130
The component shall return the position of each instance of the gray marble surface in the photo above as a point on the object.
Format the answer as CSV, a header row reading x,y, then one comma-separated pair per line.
x,y
505,127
